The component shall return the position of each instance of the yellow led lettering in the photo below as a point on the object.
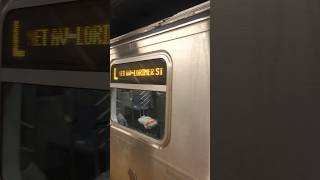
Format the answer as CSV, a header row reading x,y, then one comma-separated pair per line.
x,y
141,72
161,71
58,37
106,34
95,35
128,72
152,72
38,37
131,73
120,73
16,51
157,71
98,34
70,35
79,41
115,74
87,35
44,37
137,72
79,35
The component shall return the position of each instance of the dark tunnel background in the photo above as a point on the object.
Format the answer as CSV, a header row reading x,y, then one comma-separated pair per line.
x,y
128,15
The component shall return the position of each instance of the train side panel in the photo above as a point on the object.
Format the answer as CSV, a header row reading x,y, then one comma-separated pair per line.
x,y
187,154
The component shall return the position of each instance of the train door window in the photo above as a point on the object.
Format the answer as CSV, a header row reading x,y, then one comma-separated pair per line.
x,y
55,133
140,97
141,110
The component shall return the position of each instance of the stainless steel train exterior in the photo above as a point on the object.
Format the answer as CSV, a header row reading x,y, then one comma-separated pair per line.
x,y
184,152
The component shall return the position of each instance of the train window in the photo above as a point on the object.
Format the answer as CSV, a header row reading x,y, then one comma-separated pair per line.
x,y
140,97
143,111
59,133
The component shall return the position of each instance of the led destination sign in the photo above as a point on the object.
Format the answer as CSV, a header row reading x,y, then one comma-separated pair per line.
x,y
140,72
71,36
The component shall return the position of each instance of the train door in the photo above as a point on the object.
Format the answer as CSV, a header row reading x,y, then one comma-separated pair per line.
x,y
160,105
54,90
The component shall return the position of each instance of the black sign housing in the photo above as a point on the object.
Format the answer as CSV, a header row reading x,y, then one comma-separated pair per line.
x,y
68,36
140,72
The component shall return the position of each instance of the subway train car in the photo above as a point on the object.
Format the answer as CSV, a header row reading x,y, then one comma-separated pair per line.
x,y
160,107
54,90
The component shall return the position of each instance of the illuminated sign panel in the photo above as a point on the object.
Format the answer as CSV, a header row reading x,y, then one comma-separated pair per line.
x,y
141,72
68,36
